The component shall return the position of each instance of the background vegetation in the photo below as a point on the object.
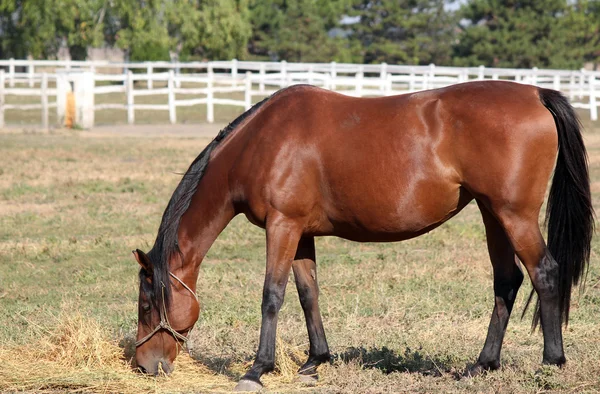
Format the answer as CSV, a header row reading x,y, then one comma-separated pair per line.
x,y
501,33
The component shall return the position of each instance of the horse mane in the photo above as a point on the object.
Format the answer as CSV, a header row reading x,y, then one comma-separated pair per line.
x,y
166,244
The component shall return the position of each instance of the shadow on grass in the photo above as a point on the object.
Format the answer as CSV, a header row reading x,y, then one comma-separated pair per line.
x,y
389,361
383,359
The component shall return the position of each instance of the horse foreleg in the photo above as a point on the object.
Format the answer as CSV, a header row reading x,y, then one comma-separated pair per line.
x,y
305,274
282,242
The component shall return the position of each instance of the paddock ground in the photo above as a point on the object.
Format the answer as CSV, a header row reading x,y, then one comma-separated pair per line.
x,y
400,317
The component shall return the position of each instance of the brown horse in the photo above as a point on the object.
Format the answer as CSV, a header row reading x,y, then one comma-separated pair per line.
x,y
308,162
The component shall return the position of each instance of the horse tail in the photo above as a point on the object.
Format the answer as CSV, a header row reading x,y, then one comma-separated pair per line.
x,y
569,213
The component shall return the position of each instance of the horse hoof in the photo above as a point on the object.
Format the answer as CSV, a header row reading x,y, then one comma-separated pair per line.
x,y
248,385
475,370
309,380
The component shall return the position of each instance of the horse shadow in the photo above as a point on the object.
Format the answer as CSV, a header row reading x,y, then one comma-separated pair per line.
x,y
389,361
383,359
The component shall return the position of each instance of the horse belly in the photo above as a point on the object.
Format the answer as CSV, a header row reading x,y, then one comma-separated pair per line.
x,y
397,213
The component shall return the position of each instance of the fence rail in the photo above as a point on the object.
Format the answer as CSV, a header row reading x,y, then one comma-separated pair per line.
x,y
210,81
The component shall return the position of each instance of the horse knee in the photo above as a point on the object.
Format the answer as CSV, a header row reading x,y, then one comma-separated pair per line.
x,y
272,299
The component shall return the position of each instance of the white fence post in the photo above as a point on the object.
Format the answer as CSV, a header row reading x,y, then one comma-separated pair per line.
x,y
383,77
411,80
210,104
262,73
359,81
130,109
388,84
172,108
84,100
593,103
333,73
283,68
2,85
149,84
556,82
234,71
481,72
44,89
429,82
248,91
30,71
310,74
11,72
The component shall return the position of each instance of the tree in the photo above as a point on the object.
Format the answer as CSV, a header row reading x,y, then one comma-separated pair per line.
x,y
404,31
40,27
512,33
299,30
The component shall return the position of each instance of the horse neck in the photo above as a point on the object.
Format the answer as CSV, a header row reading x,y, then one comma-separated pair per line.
x,y
210,210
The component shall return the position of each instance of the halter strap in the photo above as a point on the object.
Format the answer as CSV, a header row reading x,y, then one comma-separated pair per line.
x,y
164,321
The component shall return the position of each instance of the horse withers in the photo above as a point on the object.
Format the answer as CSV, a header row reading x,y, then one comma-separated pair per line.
x,y
308,162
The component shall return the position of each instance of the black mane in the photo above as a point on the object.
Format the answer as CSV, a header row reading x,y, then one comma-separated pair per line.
x,y
166,243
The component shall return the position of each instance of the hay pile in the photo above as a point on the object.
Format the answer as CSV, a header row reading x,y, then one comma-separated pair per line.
x,y
77,354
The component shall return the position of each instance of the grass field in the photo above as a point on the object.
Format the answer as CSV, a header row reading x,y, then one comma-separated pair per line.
x,y
400,317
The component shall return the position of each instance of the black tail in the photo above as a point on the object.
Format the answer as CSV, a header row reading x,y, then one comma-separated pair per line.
x,y
569,214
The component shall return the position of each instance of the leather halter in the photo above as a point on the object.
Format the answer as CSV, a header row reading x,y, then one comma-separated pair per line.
x,y
164,321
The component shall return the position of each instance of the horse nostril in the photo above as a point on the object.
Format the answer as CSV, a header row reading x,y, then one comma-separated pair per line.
x,y
142,369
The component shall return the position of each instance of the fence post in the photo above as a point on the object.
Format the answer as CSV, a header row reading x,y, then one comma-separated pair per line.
x,y
534,76
210,104
149,83
130,110
388,84
44,89
11,72
359,81
30,71
262,74
234,71
593,103
333,73
431,78
556,82
310,74
481,72
283,64
411,80
172,108
383,76
248,91
2,85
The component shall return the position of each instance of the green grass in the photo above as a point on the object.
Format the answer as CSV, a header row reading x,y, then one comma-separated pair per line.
x,y
399,317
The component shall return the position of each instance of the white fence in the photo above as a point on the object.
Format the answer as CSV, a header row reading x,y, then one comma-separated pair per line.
x,y
215,83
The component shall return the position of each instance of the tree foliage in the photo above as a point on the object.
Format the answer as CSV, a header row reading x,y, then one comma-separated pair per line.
x,y
499,33
404,31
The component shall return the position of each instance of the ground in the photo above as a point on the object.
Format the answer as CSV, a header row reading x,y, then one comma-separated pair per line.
x,y
400,317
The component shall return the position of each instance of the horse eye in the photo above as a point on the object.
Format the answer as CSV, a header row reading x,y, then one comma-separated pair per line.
x,y
146,308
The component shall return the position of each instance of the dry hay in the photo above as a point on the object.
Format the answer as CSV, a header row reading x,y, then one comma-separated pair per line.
x,y
76,354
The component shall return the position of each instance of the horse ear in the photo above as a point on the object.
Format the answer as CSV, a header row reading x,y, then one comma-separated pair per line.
x,y
143,260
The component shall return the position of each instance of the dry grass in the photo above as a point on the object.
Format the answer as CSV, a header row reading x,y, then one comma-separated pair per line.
x,y
77,354
402,317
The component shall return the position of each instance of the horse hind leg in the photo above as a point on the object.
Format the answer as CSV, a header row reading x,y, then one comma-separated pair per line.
x,y
305,275
507,281
525,236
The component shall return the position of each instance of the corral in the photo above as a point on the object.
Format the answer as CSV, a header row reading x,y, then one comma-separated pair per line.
x,y
399,317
